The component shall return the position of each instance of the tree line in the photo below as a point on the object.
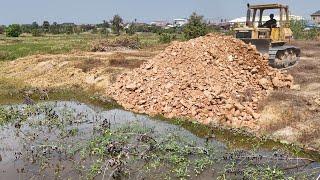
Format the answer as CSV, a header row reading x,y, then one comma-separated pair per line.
x,y
195,27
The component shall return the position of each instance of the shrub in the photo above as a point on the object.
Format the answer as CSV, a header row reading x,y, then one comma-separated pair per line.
x,y
171,30
131,30
103,31
229,32
55,28
155,29
13,30
69,30
312,34
142,28
26,28
299,32
2,29
196,27
167,38
36,32
103,45
297,28
94,31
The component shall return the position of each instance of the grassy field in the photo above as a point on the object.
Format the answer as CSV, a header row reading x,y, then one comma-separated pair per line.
x,y
13,48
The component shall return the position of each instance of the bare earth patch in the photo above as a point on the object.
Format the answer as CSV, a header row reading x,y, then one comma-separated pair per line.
x,y
293,116
87,70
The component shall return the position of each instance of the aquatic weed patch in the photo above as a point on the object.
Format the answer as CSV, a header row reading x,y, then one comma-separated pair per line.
x,y
9,114
62,140
134,145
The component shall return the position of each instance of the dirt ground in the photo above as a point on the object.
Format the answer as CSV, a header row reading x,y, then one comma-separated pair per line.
x,y
291,116
87,70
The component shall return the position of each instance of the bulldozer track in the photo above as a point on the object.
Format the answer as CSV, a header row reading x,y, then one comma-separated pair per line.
x,y
279,57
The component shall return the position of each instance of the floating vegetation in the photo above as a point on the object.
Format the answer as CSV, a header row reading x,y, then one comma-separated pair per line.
x,y
63,139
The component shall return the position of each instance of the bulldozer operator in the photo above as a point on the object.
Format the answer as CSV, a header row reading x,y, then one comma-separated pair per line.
x,y
272,23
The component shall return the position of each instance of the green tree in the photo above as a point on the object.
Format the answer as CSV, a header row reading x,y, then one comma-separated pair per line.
x,y
55,28
312,34
297,28
117,24
35,25
46,26
196,27
131,30
13,30
26,28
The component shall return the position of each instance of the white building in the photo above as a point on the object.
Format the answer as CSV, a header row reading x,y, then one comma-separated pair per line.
x,y
159,23
179,22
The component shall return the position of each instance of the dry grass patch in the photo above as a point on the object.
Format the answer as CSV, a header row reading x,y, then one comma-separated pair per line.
x,y
139,54
120,60
130,64
309,48
311,133
281,109
89,64
3,54
279,116
307,71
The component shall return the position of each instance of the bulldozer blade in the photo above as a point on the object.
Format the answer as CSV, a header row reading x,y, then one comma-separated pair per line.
x,y
262,45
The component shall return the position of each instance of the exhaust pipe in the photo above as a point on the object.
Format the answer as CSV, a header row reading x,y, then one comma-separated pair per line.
x,y
248,22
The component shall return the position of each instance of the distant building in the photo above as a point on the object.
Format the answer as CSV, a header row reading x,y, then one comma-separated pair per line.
x,y
159,23
316,17
180,22
68,24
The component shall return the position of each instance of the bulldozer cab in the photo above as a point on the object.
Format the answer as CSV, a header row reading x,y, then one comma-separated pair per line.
x,y
270,37
254,31
279,32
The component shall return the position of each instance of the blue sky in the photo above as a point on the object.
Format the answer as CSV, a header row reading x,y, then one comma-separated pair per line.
x,y
94,11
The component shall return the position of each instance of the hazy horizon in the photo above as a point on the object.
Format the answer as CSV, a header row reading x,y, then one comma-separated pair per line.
x,y
95,11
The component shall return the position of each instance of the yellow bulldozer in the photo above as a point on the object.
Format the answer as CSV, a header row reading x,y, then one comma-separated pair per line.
x,y
270,37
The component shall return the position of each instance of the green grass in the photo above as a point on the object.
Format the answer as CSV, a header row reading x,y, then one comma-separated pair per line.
x,y
13,48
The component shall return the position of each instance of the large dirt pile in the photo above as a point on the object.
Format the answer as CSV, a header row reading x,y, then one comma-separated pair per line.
x,y
213,78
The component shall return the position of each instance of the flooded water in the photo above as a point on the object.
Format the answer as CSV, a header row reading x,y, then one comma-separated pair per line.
x,y
64,139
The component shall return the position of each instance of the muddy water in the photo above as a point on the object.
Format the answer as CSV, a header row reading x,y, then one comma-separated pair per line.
x,y
44,141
